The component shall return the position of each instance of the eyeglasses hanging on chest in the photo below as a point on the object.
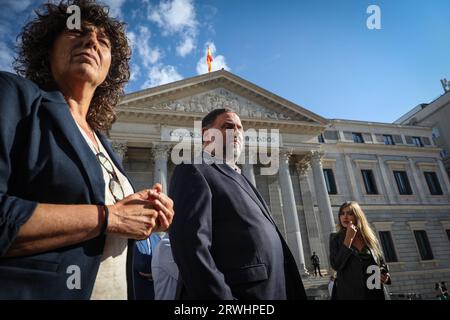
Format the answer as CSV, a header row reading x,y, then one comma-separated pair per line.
x,y
114,183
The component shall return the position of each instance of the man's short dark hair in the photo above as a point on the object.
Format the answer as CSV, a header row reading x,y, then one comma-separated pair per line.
x,y
209,119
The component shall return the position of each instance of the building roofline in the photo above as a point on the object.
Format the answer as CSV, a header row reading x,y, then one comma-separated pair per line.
x,y
423,107
375,123
230,77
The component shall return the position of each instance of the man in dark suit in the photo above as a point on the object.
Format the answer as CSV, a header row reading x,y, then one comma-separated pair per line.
x,y
224,239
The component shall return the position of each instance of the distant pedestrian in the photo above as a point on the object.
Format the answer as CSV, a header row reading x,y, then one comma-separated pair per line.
x,y
444,290
438,291
316,264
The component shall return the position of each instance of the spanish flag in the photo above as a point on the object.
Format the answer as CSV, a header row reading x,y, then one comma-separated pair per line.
x,y
209,59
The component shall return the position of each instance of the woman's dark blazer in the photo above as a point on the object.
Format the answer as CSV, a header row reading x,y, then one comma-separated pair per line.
x,y
45,159
350,284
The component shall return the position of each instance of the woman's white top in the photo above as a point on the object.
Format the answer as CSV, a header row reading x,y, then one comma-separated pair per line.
x,y
111,281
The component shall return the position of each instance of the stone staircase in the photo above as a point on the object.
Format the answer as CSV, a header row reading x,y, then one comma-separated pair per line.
x,y
317,287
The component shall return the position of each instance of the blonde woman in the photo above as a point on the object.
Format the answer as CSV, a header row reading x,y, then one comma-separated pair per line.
x,y
355,253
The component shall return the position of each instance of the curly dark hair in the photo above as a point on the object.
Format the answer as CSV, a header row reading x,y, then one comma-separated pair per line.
x,y
38,36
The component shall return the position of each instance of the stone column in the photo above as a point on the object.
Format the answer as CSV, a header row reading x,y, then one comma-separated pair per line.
x,y
293,233
249,172
444,175
120,148
248,169
416,178
160,153
386,181
351,178
323,200
312,220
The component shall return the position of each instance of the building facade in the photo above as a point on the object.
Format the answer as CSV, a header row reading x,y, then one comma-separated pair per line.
x,y
435,115
394,171
396,174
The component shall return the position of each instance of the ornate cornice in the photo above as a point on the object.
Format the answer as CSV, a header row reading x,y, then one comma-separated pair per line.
x,y
317,155
285,155
223,80
380,146
160,151
119,147
304,164
219,98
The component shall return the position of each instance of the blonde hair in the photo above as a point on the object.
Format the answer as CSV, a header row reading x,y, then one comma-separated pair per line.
x,y
363,225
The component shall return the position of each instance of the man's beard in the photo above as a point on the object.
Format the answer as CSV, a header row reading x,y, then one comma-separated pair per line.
x,y
235,154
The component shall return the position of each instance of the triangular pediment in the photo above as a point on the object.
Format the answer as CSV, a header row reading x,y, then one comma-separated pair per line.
x,y
197,96
223,98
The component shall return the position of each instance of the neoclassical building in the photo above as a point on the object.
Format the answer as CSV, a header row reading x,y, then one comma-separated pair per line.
x,y
400,183
435,115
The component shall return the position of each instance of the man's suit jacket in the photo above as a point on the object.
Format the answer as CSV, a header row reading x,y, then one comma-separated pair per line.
x,y
224,239
45,159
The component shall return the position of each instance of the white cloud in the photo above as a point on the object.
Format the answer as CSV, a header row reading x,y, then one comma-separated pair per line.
x,y
155,16
6,57
141,42
115,7
153,56
185,47
159,75
174,15
135,71
218,62
177,17
156,73
131,36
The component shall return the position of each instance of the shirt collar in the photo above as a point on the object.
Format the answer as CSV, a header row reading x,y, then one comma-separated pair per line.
x,y
210,159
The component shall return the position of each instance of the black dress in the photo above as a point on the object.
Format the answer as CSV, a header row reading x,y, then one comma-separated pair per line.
x,y
351,267
367,260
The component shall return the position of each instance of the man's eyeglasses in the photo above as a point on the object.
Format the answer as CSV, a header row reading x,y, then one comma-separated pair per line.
x,y
114,184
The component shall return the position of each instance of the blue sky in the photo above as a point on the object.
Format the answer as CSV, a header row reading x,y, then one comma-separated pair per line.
x,y
316,53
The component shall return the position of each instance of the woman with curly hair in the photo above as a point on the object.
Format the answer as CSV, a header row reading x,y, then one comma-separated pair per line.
x,y
67,208
353,249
